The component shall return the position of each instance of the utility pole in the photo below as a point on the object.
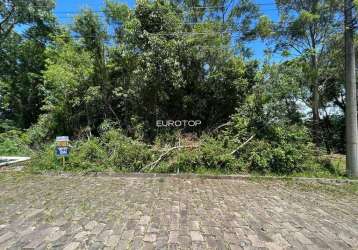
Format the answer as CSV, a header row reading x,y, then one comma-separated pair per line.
x,y
351,92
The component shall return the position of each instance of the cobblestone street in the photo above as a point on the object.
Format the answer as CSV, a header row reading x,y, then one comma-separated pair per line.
x,y
54,212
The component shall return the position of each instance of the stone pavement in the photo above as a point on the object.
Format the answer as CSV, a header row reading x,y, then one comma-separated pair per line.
x,y
54,212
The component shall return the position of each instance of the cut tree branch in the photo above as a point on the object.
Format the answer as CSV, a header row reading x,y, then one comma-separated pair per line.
x,y
222,125
161,157
242,145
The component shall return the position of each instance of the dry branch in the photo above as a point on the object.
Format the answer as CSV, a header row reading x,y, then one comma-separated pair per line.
x,y
241,145
221,126
161,157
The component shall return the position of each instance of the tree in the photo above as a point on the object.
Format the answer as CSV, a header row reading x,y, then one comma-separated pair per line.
x,y
71,98
94,36
304,29
175,73
14,12
23,58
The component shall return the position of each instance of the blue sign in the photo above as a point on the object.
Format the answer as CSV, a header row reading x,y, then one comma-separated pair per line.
x,y
62,151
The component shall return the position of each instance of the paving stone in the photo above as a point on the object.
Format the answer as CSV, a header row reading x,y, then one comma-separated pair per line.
x,y
150,237
196,236
144,220
195,225
55,235
6,236
72,246
81,235
137,243
173,237
303,239
112,240
34,244
148,246
96,245
84,212
98,229
128,234
91,225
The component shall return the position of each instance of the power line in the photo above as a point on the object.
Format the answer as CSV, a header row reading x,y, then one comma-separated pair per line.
x,y
179,5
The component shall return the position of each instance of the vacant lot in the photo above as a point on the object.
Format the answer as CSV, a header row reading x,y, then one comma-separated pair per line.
x,y
38,212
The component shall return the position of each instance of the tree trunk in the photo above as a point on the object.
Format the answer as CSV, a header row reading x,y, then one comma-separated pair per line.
x,y
315,101
314,81
316,118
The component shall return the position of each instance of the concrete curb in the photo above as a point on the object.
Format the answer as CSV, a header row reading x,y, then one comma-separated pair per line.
x,y
196,176
13,160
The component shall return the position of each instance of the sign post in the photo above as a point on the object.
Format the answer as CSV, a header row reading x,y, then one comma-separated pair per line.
x,y
62,147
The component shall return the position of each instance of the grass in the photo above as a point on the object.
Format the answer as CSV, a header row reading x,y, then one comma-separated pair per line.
x,y
337,190
327,166
13,176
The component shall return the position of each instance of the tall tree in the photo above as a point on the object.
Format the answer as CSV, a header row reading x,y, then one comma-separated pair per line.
x,y
23,58
14,12
92,31
304,29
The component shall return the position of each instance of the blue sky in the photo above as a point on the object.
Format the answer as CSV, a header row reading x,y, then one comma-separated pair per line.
x,y
65,10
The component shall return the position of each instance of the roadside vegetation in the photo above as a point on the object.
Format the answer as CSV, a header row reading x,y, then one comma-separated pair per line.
x,y
175,61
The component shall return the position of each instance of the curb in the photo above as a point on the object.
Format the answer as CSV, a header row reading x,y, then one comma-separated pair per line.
x,y
196,176
12,160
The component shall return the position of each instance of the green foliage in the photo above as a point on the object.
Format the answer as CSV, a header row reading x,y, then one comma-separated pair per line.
x,y
42,131
125,153
22,58
87,155
281,144
212,154
287,151
265,27
14,12
45,160
156,66
70,97
111,151
14,143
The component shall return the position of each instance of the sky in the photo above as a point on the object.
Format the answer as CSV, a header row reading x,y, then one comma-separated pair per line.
x,y
65,10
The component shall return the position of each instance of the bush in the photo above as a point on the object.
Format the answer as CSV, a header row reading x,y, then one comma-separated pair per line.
x,y
281,149
42,131
14,143
45,159
88,155
111,150
125,153
287,151
212,154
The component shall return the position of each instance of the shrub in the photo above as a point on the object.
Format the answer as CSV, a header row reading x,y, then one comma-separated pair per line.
x,y
41,132
259,156
14,143
286,151
45,159
212,154
111,150
88,155
125,153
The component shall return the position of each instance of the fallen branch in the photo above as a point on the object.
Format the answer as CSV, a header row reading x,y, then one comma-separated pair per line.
x,y
161,157
247,141
221,126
